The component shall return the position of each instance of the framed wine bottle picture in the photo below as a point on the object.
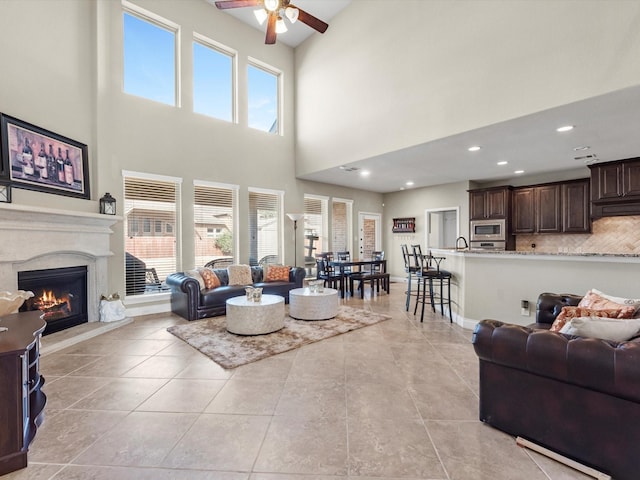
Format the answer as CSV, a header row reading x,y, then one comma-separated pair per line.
x,y
37,159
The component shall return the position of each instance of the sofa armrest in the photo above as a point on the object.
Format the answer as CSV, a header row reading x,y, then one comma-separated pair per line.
x,y
601,365
549,305
185,295
297,275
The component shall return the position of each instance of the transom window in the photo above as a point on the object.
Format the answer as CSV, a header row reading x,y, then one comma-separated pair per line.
x,y
150,64
213,79
263,98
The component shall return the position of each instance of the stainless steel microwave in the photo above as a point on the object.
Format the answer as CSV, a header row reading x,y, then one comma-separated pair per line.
x,y
493,230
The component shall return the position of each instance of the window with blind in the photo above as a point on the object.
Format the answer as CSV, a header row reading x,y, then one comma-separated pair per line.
x,y
315,222
341,221
265,219
151,221
214,207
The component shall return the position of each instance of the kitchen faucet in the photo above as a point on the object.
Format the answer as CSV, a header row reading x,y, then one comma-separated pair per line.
x,y
466,245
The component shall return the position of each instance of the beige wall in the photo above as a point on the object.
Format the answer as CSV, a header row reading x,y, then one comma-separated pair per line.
x,y
436,68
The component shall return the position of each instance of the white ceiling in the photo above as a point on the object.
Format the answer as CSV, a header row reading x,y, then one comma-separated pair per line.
x,y
608,124
297,32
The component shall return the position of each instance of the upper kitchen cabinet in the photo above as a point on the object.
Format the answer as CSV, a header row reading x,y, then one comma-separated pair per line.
x,y
560,207
490,203
615,188
575,207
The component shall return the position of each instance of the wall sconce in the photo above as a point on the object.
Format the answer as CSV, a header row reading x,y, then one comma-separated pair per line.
x,y
108,204
5,191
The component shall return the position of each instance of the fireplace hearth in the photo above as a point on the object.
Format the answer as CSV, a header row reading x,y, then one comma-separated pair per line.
x,y
59,293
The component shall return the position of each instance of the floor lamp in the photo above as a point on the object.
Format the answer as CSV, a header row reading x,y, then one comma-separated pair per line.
x,y
295,217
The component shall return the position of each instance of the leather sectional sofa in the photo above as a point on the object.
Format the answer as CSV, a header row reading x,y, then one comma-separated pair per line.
x,y
192,303
577,396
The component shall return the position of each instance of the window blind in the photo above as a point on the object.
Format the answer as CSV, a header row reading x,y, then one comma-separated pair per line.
x,y
264,226
213,209
150,208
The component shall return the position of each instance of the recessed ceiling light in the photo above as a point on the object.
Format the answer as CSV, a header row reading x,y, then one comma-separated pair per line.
x,y
503,162
475,148
365,173
518,172
401,188
409,183
583,147
566,128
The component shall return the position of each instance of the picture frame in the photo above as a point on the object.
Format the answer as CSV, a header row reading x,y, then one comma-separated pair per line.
x,y
37,159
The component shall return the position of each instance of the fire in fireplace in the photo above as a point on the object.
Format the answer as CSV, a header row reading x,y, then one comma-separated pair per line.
x,y
59,293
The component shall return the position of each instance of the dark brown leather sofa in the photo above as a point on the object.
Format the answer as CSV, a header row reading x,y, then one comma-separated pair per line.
x,y
577,396
189,302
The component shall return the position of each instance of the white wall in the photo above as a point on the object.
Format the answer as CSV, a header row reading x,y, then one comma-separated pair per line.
x,y
430,69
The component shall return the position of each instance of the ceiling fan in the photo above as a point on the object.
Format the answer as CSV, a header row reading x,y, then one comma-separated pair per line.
x,y
271,11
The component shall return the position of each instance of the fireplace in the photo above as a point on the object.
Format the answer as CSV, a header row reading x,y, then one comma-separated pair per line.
x,y
59,293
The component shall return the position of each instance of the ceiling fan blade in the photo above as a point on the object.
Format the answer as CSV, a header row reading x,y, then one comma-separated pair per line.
x,y
225,4
270,39
312,21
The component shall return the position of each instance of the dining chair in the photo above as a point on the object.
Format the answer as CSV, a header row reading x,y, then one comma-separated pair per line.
x,y
326,272
376,275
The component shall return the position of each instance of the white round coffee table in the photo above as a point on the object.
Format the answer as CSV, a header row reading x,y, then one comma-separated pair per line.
x,y
307,305
255,318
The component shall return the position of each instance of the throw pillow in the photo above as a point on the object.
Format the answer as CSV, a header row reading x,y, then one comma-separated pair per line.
x,y
568,313
629,302
210,278
196,274
596,302
239,275
277,273
605,328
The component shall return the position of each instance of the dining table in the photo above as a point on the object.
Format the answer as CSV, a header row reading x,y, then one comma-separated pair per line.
x,y
342,265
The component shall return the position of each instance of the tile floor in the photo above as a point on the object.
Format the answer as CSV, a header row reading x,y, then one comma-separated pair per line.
x,y
396,400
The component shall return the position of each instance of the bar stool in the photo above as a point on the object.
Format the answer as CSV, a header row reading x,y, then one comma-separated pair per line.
x,y
427,275
411,271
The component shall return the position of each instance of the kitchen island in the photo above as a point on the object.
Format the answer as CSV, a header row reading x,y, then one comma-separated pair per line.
x,y
493,284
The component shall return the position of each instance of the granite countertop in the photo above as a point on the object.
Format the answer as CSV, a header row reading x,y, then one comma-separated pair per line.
x,y
512,253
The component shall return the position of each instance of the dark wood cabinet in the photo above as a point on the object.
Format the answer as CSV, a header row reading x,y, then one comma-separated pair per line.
x,y
615,188
560,207
490,203
21,399
548,209
575,207
524,219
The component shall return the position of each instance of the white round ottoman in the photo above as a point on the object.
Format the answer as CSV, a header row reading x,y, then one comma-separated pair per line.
x,y
307,305
255,318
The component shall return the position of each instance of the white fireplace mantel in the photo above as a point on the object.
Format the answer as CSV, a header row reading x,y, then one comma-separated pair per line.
x,y
34,238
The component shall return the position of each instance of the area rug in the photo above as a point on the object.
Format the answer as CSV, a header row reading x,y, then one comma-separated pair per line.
x,y
228,350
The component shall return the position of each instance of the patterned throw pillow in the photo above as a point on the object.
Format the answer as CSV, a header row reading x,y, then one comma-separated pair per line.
x,y
239,275
569,313
277,273
627,302
597,302
210,278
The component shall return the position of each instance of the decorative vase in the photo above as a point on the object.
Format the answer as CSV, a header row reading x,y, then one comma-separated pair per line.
x,y
10,302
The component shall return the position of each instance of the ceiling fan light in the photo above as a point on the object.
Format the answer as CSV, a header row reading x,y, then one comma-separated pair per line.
x,y
271,5
292,14
280,26
261,15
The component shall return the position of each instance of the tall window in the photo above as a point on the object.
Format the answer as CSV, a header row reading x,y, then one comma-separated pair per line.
x,y
214,212
265,220
315,225
341,222
213,84
151,225
149,55
263,98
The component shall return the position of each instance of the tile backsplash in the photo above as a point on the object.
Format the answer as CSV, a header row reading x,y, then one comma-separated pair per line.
x,y
608,235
